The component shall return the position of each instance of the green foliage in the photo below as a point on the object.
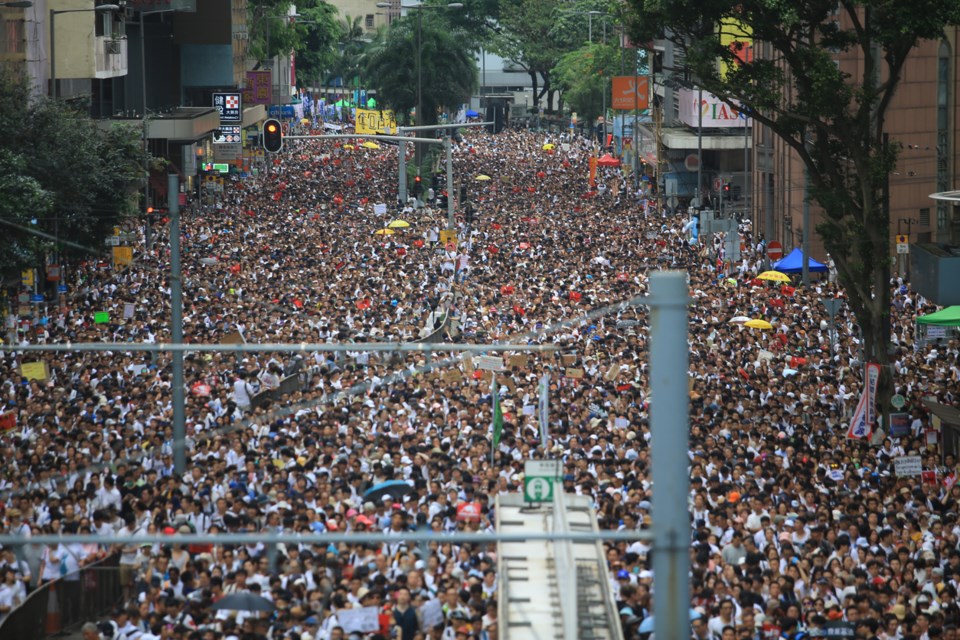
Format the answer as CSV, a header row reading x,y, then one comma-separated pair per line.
x,y
319,31
61,174
449,71
270,31
834,121
535,34
584,77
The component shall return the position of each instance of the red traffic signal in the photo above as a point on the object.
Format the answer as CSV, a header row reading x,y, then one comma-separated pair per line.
x,y
272,136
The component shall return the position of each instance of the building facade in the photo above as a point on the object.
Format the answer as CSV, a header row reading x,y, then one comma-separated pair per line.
x,y
922,120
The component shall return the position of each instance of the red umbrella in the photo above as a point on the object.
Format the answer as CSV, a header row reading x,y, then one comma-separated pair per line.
x,y
524,245
506,289
607,160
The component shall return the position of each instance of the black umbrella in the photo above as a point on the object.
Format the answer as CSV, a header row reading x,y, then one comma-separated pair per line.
x,y
243,601
396,489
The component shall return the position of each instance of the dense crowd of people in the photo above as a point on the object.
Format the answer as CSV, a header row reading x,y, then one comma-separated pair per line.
x,y
796,528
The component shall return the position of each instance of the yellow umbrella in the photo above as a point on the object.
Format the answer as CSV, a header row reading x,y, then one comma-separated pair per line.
x,y
305,121
370,145
349,146
384,232
756,323
774,276
482,178
398,224
549,146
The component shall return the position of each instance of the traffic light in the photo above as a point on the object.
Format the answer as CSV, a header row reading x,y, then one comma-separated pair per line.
x,y
272,136
149,215
417,186
726,190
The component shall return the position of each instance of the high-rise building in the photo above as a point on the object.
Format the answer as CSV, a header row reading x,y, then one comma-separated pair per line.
x,y
922,120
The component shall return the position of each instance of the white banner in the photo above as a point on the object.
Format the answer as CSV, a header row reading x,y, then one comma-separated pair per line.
x,y
861,424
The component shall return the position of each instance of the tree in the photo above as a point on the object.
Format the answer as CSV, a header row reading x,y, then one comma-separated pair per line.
x,y
833,120
271,33
449,72
535,34
526,39
319,30
584,75
62,176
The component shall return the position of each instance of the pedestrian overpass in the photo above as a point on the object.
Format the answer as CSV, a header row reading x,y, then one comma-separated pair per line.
x,y
558,589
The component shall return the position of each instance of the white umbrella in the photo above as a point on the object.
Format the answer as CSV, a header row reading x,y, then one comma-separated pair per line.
x,y
738,319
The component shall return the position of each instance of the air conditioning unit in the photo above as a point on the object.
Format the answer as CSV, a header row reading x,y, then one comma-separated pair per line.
x,y
113,47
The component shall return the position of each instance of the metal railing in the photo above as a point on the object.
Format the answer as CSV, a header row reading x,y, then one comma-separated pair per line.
x,y
66,602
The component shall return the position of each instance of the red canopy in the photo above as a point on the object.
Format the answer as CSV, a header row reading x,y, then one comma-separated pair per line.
x,y
607,160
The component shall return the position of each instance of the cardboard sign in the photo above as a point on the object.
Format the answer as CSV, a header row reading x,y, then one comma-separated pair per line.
x,y
448,235
568,360
431,612
907,466
490,363
576,374
128,310
380,209
612,373
34,371
453,375
468,364
363,620
233,338
518,360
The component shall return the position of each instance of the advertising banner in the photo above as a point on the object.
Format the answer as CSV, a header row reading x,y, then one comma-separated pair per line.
x,y
371,121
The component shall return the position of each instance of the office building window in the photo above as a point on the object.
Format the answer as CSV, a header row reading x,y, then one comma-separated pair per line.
x,y
943,129
369,21
12,36
925,217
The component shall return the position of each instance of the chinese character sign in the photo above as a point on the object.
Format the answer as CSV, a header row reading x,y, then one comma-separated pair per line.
x,y
229,106
370,121
258,89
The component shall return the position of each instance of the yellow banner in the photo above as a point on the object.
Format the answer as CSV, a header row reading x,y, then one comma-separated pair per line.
x,y
122,256
370,121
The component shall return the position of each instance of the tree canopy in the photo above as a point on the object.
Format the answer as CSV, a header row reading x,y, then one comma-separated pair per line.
x,y
319,30
61,176
832,115
449,71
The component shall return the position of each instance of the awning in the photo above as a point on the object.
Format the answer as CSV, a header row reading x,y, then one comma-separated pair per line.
x,y
947,414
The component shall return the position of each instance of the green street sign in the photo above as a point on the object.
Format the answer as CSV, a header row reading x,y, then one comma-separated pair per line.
x,y
538,489
898,401
539,478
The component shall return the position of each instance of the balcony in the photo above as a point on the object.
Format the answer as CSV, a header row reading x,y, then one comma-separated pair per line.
x,y
110,59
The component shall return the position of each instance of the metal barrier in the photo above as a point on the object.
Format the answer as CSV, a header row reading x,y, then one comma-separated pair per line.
x,y
66,603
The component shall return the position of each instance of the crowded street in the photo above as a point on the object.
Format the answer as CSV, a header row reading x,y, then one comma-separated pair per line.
x,y
794,524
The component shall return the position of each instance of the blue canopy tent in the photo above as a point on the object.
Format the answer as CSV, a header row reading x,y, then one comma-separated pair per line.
x,y
793,263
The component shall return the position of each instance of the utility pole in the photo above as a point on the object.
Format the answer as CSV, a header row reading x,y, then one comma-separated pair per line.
x,y
805,265
700,151
670,422
176,327
448,145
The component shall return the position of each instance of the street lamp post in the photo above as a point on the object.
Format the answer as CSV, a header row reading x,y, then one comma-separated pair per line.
x,y
55,89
